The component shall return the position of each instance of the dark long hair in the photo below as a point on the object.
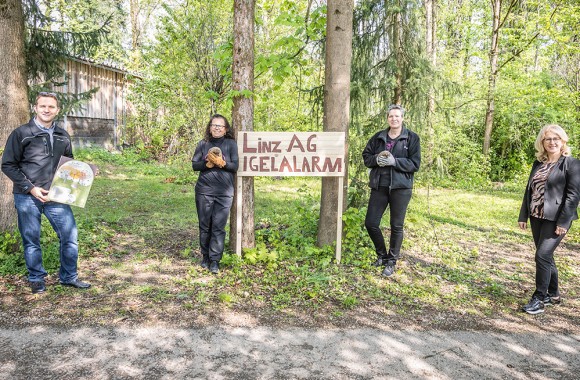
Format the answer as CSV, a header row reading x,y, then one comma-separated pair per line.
x,y
228,135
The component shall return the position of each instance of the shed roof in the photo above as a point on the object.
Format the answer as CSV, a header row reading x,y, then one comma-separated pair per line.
x,y
107,65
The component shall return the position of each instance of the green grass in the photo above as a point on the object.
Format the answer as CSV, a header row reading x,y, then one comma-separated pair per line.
x,y
463,253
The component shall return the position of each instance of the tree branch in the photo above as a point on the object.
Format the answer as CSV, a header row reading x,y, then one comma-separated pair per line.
x,y
515,55
509,10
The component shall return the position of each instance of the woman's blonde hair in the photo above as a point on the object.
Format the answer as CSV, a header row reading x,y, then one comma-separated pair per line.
x,y
541,154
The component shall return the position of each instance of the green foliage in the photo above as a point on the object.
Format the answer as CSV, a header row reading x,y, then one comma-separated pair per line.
x,y
184,77
350,302
11,260
261,254
225,298
56,31
357,246
128,157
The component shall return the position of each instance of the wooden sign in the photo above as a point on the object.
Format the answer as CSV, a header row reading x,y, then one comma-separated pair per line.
x,y
319,154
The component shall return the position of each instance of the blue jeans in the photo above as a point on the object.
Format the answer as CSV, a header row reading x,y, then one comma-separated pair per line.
x,y
61,218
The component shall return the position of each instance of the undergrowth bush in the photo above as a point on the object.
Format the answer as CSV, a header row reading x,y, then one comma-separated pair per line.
x,y
11,260
356,244
12,256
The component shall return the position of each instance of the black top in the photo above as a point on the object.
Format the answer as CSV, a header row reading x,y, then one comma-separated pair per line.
x,y
216,181
407,153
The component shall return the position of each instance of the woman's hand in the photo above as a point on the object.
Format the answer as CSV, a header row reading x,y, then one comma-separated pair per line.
x,y
560,231
523,225
214,158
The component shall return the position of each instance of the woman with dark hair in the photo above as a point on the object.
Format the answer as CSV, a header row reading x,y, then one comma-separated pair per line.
x,y
550,202
393,156
216,158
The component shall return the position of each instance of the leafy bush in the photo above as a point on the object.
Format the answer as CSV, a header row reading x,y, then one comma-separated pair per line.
x,y
11,260
356,244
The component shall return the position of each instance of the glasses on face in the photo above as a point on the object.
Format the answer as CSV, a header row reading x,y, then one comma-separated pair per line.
x,y
552,139
217,126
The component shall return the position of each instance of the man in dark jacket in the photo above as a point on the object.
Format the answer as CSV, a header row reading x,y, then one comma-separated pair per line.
x,y
393,155
30,160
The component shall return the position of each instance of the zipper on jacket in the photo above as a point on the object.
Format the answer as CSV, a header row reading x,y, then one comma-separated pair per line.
x,y
45,145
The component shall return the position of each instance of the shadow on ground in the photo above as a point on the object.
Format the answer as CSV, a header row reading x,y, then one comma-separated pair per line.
x,y
267,353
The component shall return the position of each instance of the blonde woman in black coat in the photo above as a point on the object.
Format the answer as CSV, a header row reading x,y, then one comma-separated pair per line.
x,y
550,202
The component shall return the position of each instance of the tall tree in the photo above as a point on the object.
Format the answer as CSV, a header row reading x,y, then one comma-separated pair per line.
x,y
431,51
336,104
493,71
135,25
14,108
140,13
397,36
499,21
243,111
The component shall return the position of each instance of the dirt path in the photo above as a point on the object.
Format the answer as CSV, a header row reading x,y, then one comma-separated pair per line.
x,y
269,353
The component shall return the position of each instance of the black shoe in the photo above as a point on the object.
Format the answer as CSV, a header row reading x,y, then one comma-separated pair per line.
x,y
380,262
37,287
551,300
535,306
389,270
214,267
76,283
205,262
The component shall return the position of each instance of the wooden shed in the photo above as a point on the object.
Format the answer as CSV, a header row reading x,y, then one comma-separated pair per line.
x,y
102,119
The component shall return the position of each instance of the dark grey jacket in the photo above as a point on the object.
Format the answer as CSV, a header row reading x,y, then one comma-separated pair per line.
x,y
562,193
30,159
216,181
407,153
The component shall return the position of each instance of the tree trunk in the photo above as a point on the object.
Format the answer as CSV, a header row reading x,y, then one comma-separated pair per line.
x,y
243,111
336,105
431,50
14,109
397,36
493,70
135,25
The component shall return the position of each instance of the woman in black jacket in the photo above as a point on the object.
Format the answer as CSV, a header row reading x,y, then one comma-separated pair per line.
x,y
550,202
216,158
393,155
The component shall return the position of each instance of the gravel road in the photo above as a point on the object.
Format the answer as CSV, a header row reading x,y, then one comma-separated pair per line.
x,y
295,353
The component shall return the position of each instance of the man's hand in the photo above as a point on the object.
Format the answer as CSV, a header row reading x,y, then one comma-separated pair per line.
x,y
40,194
561,230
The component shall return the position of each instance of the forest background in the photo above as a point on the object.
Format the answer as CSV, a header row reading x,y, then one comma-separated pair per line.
x,y
440,67
184,51
478,78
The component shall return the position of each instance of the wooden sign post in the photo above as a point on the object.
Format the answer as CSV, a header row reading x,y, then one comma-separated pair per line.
x,y
281,154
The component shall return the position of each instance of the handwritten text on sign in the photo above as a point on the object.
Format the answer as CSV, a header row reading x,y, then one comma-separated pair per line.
x,y
319,154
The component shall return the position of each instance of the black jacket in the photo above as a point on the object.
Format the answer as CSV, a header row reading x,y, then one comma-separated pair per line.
x,y
562,193
407,153
30,159
216,181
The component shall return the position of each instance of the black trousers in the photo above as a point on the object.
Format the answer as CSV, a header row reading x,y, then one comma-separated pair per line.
x,y
212,212
398,200
546,241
